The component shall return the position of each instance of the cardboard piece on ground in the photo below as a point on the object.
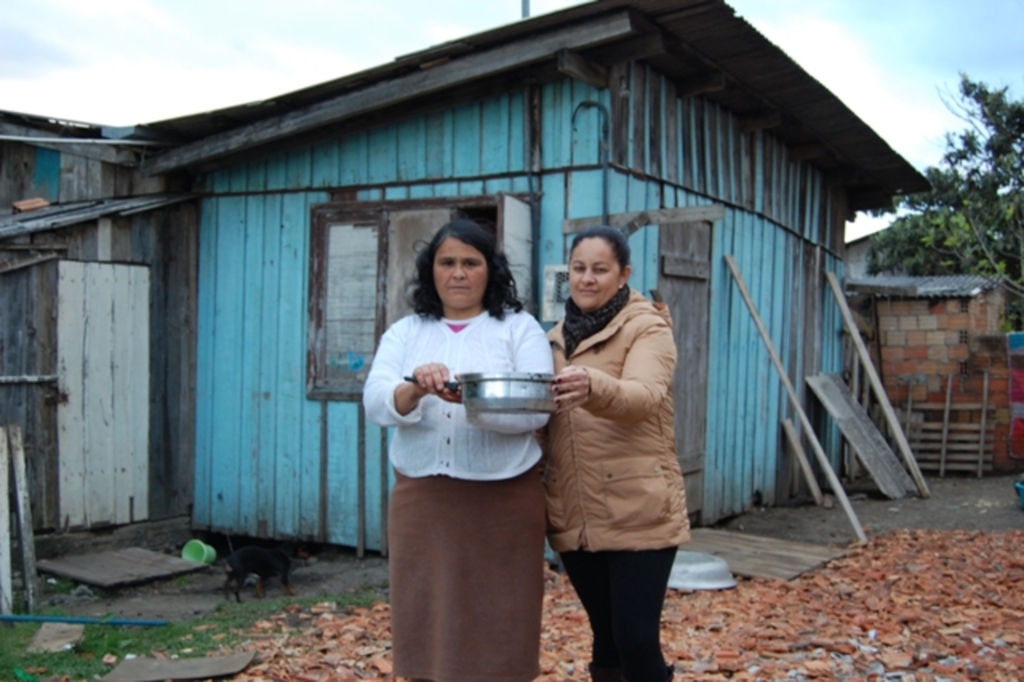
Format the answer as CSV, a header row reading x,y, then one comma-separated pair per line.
x,y
52,638
154,670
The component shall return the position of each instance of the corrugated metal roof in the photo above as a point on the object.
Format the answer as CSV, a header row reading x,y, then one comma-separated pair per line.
x,y
947,286
63,215
705,36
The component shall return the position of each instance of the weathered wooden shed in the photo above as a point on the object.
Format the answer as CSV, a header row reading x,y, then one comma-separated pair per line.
x,y
97,324
672,118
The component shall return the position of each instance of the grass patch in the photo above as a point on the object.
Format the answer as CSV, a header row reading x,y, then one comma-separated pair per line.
x,y
187,639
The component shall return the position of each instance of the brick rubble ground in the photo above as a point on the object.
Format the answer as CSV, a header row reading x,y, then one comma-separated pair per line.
x,y
907,605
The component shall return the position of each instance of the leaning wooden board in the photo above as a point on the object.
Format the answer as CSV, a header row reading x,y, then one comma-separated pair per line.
x,y
865,439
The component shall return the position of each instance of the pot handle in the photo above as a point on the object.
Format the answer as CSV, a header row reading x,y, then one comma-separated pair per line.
x,y
450,385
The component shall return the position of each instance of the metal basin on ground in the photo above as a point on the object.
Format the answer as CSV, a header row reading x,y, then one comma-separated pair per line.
x,y
699,571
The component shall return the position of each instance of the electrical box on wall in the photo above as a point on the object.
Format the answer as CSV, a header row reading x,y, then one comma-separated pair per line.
x,y
556,292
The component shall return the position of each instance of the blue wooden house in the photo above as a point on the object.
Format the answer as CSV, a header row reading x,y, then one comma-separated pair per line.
x,y
674,119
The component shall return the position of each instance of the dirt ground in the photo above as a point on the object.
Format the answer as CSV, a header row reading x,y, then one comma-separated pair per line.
x,y
956,503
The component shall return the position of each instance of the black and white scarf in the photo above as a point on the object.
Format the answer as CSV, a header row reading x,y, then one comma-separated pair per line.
x,y
579,325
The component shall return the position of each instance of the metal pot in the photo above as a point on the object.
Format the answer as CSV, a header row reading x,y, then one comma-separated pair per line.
x,y
508,392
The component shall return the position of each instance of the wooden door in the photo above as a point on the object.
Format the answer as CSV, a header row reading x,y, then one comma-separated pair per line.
x,y
684,284
103,374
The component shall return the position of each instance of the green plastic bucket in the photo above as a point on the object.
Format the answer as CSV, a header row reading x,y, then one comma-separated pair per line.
x,y
198,552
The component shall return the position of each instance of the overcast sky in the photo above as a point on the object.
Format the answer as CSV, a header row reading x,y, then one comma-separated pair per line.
x,y
122,62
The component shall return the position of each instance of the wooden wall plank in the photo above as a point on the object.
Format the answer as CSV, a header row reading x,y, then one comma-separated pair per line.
x,y
250,438
202,510
467,151
291,371
45,175
585,135
673,137
342,488
495,135
6,565
227,328
354,150
655,125
123,395
257,175
638,117
411,149
618,79
272,272
309,488
326,164
550,105
396,193
583,194
299,168
98,390
70,333
138,370
435,130
237,178
553,211
519,124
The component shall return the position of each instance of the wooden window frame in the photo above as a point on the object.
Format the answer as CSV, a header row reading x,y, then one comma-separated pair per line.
x,y
322,216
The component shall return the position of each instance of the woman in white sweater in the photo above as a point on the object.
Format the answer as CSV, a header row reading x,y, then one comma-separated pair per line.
x,y
466,521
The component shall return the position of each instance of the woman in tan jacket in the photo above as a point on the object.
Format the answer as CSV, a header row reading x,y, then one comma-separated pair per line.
x,y
615,498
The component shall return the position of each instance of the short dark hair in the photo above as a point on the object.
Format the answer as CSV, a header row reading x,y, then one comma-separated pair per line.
x,y
615,237
500,294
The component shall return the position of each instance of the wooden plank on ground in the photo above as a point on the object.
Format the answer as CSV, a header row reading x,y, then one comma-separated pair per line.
x,y
865,439
755,556
118,567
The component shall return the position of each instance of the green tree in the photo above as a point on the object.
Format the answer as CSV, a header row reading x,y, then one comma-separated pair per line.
x,y
972,220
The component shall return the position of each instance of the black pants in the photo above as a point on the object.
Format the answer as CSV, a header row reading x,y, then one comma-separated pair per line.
x,y
623,593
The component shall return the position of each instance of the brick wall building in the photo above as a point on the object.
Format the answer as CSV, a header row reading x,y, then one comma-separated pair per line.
x,y
935,339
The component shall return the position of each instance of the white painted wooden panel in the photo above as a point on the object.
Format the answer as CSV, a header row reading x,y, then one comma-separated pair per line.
x,y
98,388
70,427
103,366
407,231
517,243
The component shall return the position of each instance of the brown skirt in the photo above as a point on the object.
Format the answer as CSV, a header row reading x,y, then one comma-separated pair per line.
x,y
467,578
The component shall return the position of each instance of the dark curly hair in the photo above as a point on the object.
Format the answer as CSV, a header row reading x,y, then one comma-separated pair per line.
x,y
614,237
500,294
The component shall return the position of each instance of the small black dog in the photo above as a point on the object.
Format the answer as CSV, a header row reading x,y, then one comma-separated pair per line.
x,y
264,563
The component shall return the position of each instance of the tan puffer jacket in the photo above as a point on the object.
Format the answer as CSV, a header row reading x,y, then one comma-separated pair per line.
x,y
611,474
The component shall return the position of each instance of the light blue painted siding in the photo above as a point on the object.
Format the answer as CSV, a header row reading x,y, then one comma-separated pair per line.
x,y
779,225
267,465
271,462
